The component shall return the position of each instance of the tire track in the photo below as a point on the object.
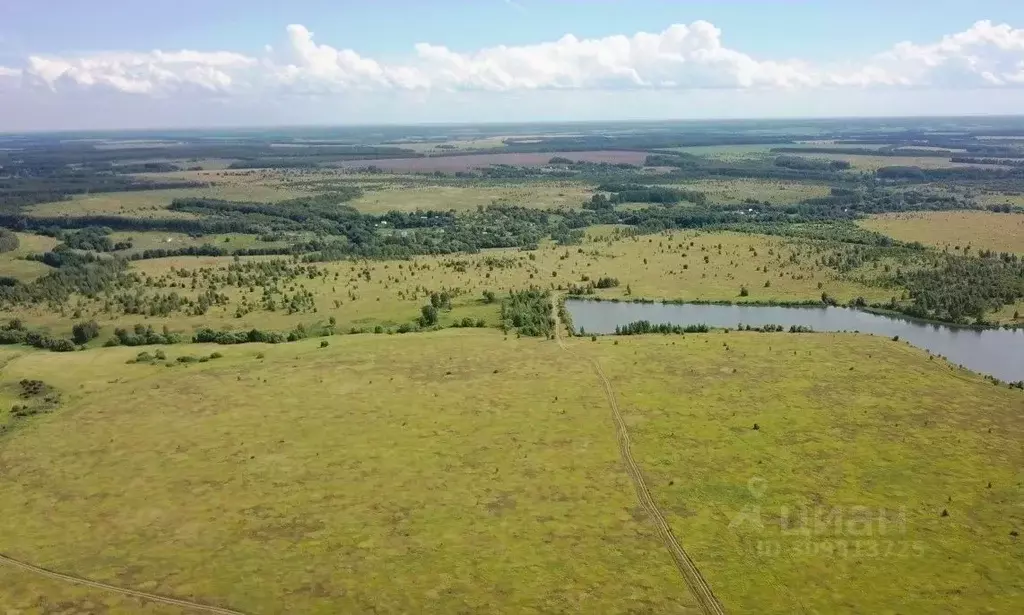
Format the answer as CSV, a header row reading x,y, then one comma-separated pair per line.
x,y
195,606
695,582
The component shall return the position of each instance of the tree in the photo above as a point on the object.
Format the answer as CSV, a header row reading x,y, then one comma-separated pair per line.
x,y
598,202
8,240
489,296
442,300
429,316
83,332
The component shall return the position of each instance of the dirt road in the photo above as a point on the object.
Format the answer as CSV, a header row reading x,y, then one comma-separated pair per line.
x,y
699,587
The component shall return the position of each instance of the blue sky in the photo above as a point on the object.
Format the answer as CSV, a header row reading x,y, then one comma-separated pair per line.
x,y
70,63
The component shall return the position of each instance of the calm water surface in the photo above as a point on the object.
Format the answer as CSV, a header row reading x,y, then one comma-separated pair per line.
x,y
997,352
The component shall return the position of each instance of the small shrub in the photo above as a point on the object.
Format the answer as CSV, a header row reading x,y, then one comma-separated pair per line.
x,y
324,343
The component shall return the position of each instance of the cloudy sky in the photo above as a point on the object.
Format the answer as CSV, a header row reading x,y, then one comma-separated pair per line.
x,y
70,64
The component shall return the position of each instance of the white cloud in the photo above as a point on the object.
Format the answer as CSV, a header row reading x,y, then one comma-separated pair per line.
x,y
681,57
984,55
155,72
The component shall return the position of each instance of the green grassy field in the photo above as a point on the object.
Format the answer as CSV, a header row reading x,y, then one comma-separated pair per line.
x,y
871,163
13,263
732,191
29,594
992,198
153,203
415,473
982,230
456,145
923,438
172,241
444,198
728,151
397,474
658,267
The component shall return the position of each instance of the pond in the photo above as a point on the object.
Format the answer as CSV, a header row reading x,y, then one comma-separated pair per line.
x,y
997,352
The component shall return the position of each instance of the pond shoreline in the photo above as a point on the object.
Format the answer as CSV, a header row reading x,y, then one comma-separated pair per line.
x,y
995,352
808,303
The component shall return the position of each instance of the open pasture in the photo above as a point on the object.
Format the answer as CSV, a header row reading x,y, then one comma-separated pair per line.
x,y
151,240
872,163
796,487
725,152
416,473
365,294
954,230
389,474
468,162
467,198
434,148
776,192
153,203
13,264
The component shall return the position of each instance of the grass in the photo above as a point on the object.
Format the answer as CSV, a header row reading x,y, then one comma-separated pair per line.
x,y
731,191
982,230
153,203
451,164
172,241
728,151
871,163
996,198
415,473
468,198
27,593
455,145
656,267
13,264
396,474
923,437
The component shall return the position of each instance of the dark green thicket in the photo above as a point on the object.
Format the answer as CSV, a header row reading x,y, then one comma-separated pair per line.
x,y
14,332
75,274
8,240
641,327
528,312
84,332
962,289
